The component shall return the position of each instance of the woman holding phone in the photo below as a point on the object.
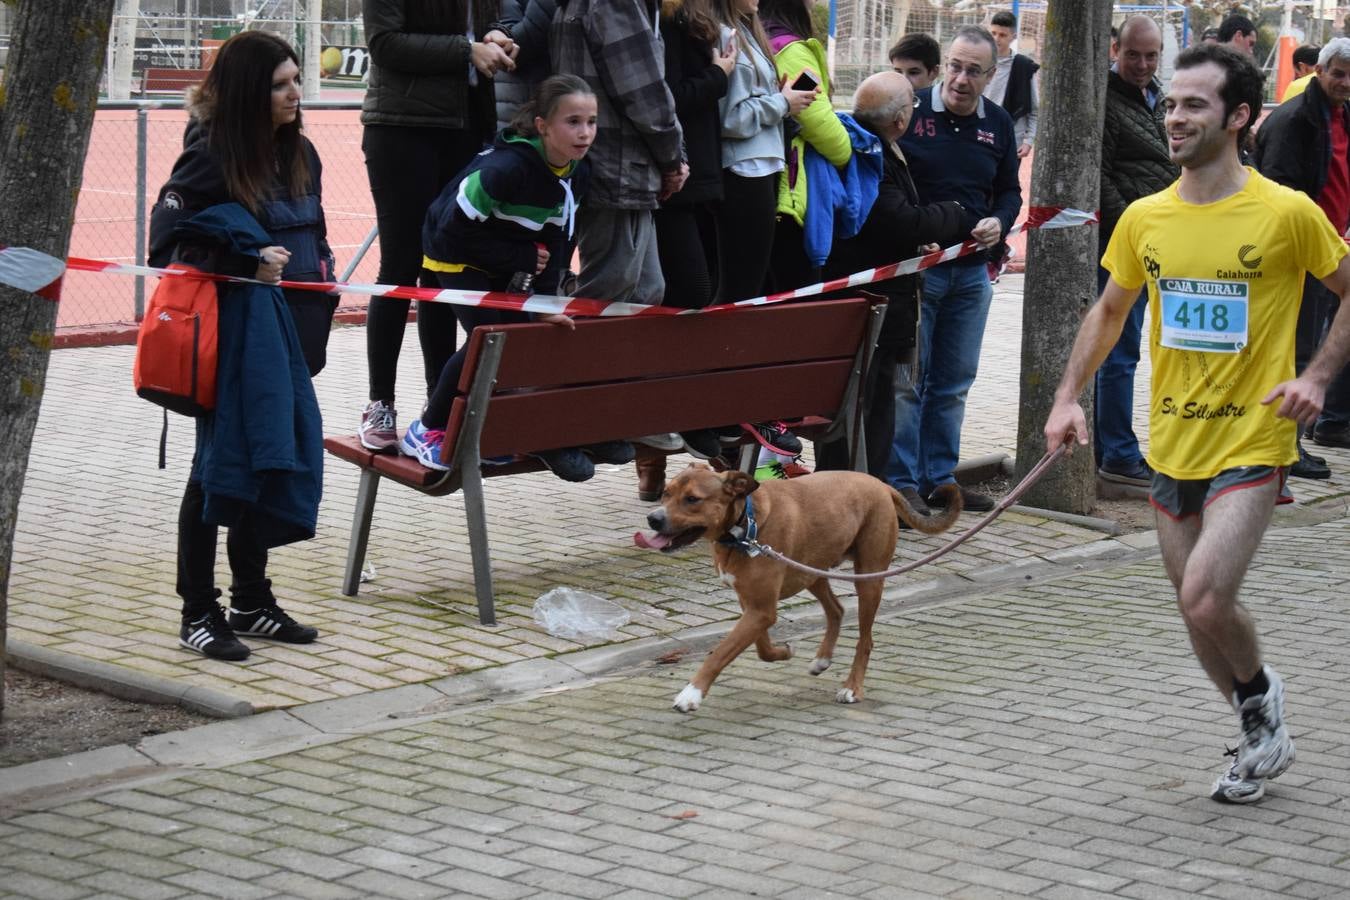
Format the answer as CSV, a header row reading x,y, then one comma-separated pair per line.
x,y
752,113
795,53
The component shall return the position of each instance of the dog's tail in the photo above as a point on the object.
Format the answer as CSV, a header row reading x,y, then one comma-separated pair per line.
x,y
929,524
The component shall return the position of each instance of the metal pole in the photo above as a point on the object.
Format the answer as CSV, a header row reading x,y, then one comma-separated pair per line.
x,y
360,254
142,139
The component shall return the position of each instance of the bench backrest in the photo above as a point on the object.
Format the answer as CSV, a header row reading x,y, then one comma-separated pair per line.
x,y
171,79
626,377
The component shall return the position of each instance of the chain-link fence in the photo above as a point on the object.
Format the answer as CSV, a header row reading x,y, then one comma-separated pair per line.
x,y
129,143
113,209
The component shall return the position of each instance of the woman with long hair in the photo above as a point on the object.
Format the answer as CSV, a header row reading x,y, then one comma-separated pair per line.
x,y
753,112
244,145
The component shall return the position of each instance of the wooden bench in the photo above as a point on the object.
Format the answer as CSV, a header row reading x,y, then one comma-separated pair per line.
x,y
537,386
170,81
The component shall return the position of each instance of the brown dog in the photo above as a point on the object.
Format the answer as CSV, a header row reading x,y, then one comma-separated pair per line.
x,y
820,520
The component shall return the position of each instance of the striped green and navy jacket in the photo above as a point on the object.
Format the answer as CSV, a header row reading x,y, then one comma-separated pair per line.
x,y
491,216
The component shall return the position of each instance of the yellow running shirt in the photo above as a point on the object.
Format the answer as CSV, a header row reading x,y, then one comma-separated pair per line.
x,y
1224,284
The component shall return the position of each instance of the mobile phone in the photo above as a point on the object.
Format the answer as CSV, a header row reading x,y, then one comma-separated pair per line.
x,y
807,81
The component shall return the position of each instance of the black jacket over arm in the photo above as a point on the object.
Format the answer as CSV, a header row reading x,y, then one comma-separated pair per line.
x,y
895,229
1293,144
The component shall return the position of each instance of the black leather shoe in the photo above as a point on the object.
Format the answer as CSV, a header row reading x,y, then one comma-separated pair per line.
x,y
971,501
916,503
1332,435
1307,467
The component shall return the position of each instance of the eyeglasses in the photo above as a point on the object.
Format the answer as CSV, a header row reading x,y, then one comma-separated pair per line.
x,y
955,69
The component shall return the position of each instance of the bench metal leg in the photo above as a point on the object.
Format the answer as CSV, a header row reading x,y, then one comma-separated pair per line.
x,y
356,545
474,512
749,458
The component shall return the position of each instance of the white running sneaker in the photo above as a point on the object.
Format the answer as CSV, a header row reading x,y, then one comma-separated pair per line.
x,y
1266,750
379,431
1231,787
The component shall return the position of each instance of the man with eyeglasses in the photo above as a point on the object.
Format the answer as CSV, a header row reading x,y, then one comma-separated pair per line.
x,y
960,148
897,225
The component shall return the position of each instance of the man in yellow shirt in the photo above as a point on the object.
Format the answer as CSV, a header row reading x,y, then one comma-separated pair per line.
x,y
1223,253
1305,69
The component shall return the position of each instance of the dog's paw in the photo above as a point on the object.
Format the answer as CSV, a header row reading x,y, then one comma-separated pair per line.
x,y
846,695
688,699
819,664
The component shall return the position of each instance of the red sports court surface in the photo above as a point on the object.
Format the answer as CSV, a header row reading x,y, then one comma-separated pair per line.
x,y
105,225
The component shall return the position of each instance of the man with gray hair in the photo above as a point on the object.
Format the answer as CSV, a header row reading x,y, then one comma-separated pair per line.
x,y
1305,144
960,147
897,226
1135,163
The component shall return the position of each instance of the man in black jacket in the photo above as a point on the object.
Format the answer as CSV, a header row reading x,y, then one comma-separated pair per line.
x,y
1303,144
897,227
1135,163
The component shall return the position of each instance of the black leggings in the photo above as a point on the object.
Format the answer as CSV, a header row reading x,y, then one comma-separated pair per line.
x,y
686,239
745,235
249,585
407,168
446,389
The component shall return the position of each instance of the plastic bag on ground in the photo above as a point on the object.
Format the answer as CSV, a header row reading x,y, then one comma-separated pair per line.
x,y
570,613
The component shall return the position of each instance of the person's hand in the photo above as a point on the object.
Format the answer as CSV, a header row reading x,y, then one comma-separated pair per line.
x,y
489,59
726,59
798,100
1065,426
1301,400
987,232
929,248
1024,151
558,319
503,40
271,262
540,258
672,181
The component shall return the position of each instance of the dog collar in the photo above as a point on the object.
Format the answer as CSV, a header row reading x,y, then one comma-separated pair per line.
x,y
741,536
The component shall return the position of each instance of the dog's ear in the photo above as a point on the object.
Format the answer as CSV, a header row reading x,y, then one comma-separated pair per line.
x,y
738,483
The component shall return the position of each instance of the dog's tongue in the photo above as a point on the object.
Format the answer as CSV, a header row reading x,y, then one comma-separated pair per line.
x,y
653,541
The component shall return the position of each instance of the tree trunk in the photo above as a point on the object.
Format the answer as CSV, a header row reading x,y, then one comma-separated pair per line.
x,y
47,102
1061,280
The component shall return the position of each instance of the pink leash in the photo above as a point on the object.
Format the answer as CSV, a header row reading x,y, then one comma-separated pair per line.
x,y
1031,478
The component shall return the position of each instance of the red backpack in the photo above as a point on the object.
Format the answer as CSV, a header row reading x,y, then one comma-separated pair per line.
x,y
176,347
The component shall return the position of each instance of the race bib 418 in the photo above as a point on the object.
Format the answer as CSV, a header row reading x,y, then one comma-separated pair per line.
x,y
1209,316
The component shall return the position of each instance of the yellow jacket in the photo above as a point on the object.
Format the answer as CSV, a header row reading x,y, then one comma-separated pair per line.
x,y
820,127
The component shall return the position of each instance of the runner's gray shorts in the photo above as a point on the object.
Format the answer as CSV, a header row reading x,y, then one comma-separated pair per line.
x,y
1179,499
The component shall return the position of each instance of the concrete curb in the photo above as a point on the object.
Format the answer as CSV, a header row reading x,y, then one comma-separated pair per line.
x,y
1092,523
120,681
983,468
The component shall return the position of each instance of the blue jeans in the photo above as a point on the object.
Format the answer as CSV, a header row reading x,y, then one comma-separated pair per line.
x,y
1116,444
928,415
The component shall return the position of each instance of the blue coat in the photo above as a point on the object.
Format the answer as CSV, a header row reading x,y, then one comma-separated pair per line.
x,y
838,200
262,447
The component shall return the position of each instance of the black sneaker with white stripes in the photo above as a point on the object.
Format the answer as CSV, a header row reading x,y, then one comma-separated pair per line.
x,y
271,623
211,636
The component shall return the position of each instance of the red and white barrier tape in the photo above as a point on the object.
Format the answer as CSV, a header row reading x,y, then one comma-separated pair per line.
x,y
38,273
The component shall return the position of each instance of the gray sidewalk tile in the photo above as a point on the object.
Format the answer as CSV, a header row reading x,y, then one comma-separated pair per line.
x,y
1049,736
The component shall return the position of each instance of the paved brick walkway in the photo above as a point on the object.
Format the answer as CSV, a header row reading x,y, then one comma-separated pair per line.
x,y
94,559
1053,740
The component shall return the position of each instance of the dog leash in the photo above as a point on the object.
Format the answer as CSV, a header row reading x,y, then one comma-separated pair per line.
x,y
1023,486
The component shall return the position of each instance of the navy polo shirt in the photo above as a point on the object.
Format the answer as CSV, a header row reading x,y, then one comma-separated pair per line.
x,y
970,159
